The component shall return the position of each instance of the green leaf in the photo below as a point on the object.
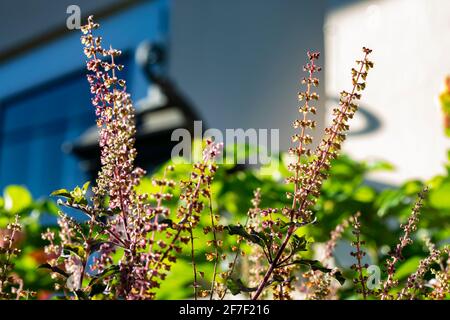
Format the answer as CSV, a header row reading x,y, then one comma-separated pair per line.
x,y
389,199
439,198
298,244
316,265
444,99
339,277
97,289
85,186
236,286
53,269
145,186
81,295
47,206
364,194
95,245
277,278
313,264
77,249
413,187
177,284
78,195
4,221
16,199
256,237
112,270
61,193
380,166
167,222
408,267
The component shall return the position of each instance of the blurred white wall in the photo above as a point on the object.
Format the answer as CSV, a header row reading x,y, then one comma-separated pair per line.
x,y
240,61
411,44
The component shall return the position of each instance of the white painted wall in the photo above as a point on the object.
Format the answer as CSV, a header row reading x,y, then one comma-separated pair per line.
x,y
411,44
240,61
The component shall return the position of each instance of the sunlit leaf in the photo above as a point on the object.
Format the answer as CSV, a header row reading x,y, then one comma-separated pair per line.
x,y
61,193
389,199
77,249
439,198
408,267
298,243
412,187
255,237
236,286
16,199
380,166
364,194
85,186
316,265
108,272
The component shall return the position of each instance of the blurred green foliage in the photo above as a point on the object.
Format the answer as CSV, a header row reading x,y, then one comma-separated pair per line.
x,y
347,191
18,200
444,99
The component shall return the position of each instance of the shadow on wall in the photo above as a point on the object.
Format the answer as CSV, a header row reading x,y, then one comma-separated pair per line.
x,y
371,123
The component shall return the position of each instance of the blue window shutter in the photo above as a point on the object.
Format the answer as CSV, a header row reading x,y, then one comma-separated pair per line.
x,y
51,105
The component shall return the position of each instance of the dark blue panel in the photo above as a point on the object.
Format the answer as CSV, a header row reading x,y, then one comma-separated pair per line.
x,y
35,126
45,103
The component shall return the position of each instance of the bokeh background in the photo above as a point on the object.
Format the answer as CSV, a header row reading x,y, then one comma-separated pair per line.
x,y
233,64
236,63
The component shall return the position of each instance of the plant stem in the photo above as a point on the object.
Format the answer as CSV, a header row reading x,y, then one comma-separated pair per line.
x,y
215,246
158,207
316,170
359,255
230,272
180,226
266,278
194,266
122,207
